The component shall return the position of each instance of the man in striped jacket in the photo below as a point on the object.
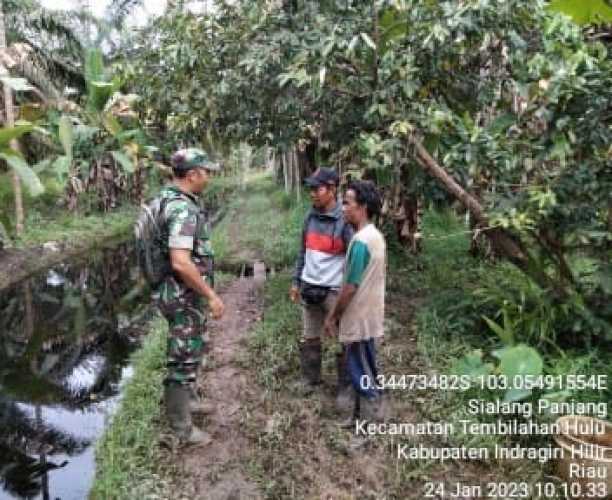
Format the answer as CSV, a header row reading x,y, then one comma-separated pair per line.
x,y
318,270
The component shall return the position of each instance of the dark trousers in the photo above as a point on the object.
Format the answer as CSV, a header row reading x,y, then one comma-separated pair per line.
x,y
361,366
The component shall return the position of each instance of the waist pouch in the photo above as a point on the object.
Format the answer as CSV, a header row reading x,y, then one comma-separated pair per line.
x,y
313,294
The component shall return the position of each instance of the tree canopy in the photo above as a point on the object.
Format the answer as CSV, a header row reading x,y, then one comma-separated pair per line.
x,y
506,103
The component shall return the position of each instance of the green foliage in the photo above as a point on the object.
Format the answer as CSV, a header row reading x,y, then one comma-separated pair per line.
x,y
530,313
523,122
55,37
15,160
260,214
106,154
516,363
472,365
99,87
584,11
7,134
23,170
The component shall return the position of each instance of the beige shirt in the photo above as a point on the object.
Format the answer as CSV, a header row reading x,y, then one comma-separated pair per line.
x,y
363,318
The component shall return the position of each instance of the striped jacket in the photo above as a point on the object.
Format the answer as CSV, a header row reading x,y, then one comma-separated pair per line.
x,y
325,239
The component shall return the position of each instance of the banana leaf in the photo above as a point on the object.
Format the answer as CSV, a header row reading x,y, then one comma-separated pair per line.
x,y
7,134
26,174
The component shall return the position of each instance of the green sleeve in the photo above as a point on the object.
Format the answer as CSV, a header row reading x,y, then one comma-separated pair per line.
x,y
182,223
357,261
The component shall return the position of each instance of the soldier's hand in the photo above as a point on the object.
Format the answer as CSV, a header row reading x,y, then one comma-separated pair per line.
x,y
217,308
294,294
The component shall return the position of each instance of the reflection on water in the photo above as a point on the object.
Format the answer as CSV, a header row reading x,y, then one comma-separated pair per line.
x,y
64,340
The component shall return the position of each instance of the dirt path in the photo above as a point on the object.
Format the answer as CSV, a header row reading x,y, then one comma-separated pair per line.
x,y
217,471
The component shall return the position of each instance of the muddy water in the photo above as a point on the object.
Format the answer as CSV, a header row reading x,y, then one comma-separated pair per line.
x,y
65,336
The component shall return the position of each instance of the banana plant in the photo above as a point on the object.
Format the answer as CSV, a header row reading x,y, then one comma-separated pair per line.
x,y
99,87
101,93
62,164
16,161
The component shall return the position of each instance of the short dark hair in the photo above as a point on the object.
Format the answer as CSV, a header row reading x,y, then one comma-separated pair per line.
x,y
179,173
366,194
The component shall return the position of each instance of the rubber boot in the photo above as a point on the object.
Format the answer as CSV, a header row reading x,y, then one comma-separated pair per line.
x,y
179,417
374,409
346,396
310,357
310,362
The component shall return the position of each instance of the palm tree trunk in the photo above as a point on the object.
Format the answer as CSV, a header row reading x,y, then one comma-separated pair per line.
x,y
9,114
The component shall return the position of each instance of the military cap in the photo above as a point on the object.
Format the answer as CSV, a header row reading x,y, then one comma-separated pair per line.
x,y
186,159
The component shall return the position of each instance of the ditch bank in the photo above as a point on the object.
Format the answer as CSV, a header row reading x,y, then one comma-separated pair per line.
x,y
17,264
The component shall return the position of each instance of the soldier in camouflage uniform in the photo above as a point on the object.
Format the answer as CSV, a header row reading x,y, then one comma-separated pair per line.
x,y
184,293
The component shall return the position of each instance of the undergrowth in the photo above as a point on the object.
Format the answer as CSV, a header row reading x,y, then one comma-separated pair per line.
x,y
460,291
127,455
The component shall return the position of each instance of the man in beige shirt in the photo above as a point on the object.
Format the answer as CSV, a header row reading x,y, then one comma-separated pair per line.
x,y
358,315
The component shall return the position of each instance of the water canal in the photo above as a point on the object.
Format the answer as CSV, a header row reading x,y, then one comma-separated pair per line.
x,y
65,337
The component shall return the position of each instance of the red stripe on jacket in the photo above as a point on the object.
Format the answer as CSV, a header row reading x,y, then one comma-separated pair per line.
x,y
324,243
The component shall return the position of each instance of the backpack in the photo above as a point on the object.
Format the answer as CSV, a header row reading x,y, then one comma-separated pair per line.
x,y
151,249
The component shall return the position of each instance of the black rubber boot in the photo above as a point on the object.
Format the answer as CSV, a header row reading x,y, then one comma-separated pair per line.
x,y
310,359
346,397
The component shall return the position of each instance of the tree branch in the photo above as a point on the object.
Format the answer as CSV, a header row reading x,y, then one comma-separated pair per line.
x,y
503,242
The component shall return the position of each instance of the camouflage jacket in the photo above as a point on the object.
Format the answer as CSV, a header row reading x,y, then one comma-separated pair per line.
x,y
187,228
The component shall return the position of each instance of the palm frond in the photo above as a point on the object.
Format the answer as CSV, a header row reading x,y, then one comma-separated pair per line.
x,y
58,39
22,61
55,30
118,10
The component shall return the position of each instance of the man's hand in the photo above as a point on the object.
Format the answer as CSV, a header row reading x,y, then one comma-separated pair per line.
x,y
217,308
330,327
294,294
182,264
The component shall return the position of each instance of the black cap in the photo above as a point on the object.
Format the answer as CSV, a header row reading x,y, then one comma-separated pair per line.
x,y
322,176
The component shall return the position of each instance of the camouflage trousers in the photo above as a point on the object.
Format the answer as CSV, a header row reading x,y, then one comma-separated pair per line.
x,y
186,337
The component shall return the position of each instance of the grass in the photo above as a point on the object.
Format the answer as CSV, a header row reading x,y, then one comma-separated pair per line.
x,y
434,318
76,234
74,227
127,454
301,426
261,223
274,341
